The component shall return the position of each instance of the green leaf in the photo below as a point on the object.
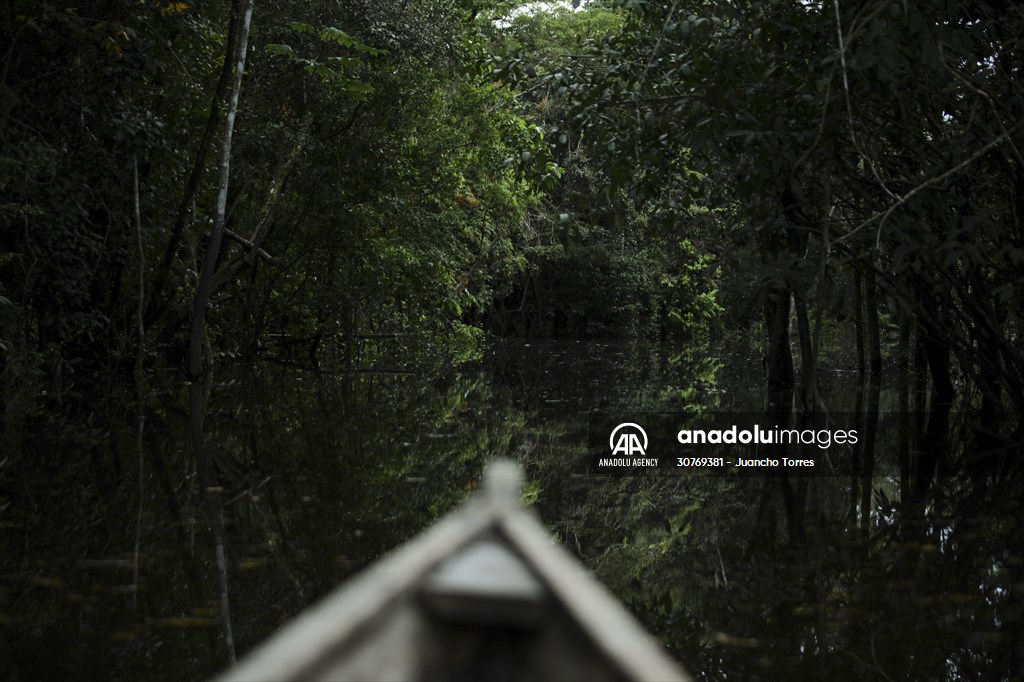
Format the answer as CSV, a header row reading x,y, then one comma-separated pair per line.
x,y
334,35
343,62
281,49
339,37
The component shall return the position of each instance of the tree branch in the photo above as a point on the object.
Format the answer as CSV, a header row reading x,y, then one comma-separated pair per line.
x,y
885,213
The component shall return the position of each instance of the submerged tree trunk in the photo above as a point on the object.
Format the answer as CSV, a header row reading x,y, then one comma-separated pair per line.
x,y
197,331
808,361
936,351
903,386
779,357
867,463
935,440
858,318
855,455
871,308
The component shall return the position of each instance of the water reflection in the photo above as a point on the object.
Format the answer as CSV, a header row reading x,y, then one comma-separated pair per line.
x,y
838,577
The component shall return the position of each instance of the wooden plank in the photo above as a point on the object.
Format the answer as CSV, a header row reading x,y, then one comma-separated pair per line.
x,y
486,584
613,629
348,613
390,652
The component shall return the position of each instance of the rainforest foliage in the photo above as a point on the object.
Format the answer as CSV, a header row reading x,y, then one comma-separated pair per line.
x,y
858,162
365,189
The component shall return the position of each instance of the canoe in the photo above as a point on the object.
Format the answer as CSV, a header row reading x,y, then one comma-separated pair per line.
x,y
483,595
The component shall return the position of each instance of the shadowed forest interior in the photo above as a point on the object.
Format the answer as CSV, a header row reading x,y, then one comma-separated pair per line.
x,y
278,278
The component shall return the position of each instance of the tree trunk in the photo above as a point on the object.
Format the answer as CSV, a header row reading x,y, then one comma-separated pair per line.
x,y
140,379
198,328
858,318
855,454
934,442
867,463
808,363
779,358
871,304
903,363
157,301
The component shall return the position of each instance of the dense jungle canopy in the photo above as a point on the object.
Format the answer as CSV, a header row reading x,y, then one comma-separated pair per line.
x,y
198,199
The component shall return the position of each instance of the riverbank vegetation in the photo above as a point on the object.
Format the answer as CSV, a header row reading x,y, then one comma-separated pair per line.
x,y
374,190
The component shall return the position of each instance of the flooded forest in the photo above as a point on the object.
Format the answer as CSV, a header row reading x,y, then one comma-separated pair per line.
x,y
279,279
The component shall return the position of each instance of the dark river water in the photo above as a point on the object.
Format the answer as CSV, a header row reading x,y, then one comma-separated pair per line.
x,y
324,473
